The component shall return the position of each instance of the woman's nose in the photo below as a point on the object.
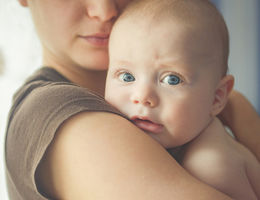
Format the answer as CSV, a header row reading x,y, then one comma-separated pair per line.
x,y
103,10
146,97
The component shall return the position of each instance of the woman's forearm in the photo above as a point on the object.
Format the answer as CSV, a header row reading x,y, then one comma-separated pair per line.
x,y
244,121
114,161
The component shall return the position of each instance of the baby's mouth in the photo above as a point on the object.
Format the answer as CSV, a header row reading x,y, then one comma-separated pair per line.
x,y
147,125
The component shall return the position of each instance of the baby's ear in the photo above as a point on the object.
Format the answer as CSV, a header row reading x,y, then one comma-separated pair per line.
x,y
23,2
222,92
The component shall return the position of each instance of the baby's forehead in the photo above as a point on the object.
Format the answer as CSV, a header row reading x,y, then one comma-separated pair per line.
x,y
199,17
170,27
191,13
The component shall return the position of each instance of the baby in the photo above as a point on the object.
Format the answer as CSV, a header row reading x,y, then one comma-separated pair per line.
x,y
168,75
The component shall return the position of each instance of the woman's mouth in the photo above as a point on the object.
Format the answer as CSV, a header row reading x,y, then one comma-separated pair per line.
x,y
147,125
98,39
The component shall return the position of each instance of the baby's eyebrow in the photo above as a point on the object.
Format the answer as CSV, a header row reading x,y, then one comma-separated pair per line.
x,y
122,62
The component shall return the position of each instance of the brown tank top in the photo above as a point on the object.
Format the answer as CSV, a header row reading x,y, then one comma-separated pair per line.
x,y
40,106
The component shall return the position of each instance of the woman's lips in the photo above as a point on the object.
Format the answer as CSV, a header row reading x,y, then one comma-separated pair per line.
x,y
97,39
147,125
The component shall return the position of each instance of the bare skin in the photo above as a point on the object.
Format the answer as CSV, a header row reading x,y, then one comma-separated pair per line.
x,y
217,159
244,121
114,161
86,160
138,85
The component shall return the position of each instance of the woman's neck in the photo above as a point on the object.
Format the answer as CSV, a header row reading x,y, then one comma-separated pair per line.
x,y
93,80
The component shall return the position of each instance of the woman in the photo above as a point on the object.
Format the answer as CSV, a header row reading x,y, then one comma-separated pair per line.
x,y
64,142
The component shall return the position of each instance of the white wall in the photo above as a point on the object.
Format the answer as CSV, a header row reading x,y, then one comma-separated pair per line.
x,y
21,55
241,18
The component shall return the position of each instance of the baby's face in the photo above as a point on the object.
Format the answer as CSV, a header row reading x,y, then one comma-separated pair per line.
x,y
163,78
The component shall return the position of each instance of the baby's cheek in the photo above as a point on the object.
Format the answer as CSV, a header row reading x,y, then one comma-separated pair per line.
x,y
174,119
126,109
120,101
109,97
170,113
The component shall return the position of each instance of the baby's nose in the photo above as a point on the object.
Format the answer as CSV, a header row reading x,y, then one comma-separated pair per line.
x,y
146,97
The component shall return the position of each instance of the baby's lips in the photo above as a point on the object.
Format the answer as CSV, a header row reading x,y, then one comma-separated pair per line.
x,y
147,125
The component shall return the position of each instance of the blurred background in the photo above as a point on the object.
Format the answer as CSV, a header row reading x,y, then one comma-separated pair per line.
x,y
20,54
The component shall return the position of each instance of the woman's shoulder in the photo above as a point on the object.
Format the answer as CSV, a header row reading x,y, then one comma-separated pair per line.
x,y
39,108
47,93
43,104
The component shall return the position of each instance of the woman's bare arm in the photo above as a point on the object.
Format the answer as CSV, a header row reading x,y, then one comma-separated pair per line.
x,y
244,121
104,156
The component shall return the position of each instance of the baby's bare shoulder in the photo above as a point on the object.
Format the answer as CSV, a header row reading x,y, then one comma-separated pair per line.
x,y
220,161
214,156
214,149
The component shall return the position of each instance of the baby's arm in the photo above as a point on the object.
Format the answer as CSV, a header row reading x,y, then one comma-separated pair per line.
x,y
216,159
244,121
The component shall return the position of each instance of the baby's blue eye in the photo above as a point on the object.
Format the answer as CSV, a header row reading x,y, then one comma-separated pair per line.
x,y
127,77
171,79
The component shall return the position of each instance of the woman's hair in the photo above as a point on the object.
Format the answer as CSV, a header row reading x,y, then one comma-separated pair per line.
x,y
187,12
